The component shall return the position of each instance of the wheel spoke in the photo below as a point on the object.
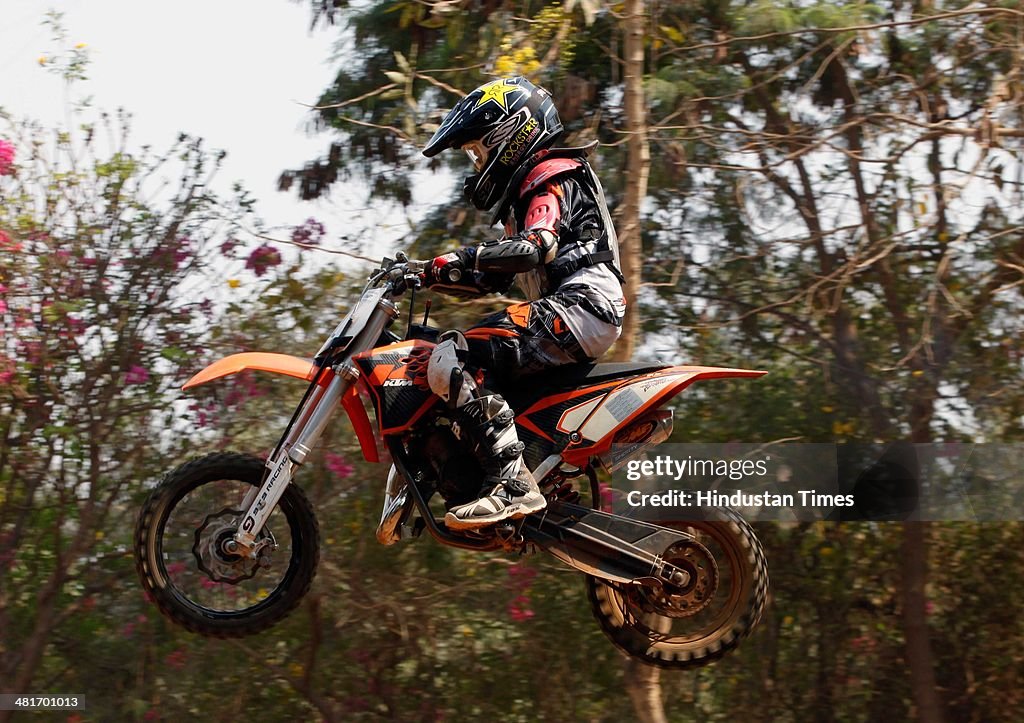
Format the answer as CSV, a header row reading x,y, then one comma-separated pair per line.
x,y
187,530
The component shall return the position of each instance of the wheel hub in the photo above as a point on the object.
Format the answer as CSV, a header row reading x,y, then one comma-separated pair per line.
x,y
682,601
217,553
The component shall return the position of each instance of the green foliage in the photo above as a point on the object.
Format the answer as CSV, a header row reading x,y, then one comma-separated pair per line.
x,y
100,324
766,16
904,310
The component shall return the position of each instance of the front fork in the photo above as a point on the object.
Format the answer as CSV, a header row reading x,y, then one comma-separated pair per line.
x,y
305,433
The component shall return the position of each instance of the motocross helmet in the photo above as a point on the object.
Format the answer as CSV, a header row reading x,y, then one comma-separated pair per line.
x,y
500,125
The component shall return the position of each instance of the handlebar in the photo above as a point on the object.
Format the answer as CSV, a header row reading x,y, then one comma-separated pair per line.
x,y
401,272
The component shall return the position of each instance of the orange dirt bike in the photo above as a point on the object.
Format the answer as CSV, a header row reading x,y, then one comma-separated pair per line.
x,y
227,545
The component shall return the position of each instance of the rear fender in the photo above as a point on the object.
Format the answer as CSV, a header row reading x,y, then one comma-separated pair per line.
x,y
297,368
629,401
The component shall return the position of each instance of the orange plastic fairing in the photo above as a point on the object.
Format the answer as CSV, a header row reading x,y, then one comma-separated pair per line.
x,y
579,453
291,366
361,424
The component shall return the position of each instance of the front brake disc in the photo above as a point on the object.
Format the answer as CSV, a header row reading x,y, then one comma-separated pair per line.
x,y
212,556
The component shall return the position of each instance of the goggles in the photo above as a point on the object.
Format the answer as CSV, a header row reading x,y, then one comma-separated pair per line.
x,y
477,153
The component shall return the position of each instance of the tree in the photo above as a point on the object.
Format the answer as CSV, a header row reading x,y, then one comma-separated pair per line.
x,y
638,169
861,236
835,197
97,325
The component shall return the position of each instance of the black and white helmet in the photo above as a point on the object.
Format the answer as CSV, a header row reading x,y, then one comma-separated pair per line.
x,y
500,125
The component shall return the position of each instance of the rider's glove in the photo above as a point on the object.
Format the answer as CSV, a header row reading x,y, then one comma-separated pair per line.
x,y
453,272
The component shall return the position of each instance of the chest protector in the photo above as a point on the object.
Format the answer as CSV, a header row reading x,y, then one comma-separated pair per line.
x,y
588,249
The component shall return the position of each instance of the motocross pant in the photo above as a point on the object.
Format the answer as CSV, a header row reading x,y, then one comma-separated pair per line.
x,y
528,338
522,339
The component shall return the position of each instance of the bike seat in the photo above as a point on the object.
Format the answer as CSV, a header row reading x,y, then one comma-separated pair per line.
x,y
578,375
524,391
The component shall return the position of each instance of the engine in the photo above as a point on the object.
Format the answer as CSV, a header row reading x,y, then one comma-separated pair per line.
x,y
456,467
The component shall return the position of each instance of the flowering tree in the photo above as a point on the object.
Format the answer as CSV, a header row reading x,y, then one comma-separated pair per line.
x,y
99,321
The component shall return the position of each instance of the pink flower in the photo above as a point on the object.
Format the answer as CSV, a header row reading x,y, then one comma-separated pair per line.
x,y
136,375
519,609
8,244
262,258
338,465
176,659
521,577
310,232
244,388
30,350
3,306
228,247
173,253
6,158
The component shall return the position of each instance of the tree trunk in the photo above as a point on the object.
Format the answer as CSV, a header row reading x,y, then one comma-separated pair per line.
x,y
914,571
913,578
643,683
638,154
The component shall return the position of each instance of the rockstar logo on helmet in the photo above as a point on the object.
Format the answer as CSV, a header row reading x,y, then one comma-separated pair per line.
x,y
497,92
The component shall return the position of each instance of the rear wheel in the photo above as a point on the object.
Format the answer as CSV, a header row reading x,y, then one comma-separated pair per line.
x,y
695,625
183,540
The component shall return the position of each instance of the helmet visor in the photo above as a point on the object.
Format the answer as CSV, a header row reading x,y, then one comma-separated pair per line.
x,y
477,153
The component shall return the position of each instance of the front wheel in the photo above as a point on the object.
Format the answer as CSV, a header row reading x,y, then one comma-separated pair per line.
x,y
182,543
700,624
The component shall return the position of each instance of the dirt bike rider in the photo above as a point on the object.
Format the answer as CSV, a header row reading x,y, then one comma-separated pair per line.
x,y
559,246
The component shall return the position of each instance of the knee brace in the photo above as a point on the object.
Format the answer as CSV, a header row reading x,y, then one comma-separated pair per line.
x,y
445,371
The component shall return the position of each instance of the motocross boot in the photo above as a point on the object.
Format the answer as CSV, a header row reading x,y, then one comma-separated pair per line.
x,y
509,490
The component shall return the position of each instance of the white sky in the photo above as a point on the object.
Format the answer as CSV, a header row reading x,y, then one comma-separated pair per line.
x,y
233,72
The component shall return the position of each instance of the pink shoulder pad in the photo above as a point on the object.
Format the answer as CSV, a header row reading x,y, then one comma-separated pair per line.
x,y
546,170
543,213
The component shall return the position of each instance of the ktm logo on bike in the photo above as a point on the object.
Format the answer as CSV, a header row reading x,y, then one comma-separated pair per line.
x,y
410,371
